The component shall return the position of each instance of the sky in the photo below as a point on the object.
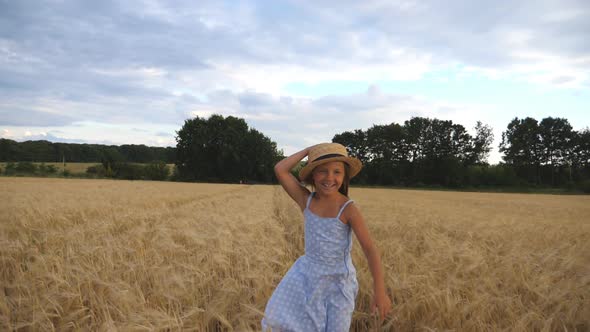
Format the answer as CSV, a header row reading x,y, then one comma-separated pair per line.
x,y
131,72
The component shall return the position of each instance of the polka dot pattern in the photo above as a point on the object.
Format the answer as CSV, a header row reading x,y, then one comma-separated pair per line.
x,y
318,292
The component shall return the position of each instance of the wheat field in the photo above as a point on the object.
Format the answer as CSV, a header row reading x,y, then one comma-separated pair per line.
x,y
141,256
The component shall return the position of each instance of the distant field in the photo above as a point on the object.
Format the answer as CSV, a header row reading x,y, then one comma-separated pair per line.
x,y
75,167
139,255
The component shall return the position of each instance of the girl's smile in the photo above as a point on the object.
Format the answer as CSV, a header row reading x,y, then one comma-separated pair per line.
x,y
329,177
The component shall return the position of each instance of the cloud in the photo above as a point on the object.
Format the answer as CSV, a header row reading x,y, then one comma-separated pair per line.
x,y
562,79
140,48
6,133
94,133
51,137
15,116
293,121
155,62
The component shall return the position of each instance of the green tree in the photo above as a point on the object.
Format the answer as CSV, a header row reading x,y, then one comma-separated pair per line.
x,y
37,151
521,145
156,170
9,150
416,136
225,150
109,158
581,148
579,159
356,144
481,144
556,138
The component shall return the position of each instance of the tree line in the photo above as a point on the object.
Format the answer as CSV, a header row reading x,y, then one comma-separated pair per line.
x,y
420,152
215,149
45,151
549,152
433,152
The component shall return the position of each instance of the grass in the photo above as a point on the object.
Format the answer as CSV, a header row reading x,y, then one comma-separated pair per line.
x,y
140,255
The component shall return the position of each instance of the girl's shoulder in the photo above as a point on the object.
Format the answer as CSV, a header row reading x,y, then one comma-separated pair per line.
x,y
341,199
336,206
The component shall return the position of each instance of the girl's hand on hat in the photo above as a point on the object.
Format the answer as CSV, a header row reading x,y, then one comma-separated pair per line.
x,y
381,304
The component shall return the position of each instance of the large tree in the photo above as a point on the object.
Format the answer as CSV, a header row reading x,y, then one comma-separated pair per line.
x,y
556,138
356,144
581,149
521,145
225,150
482,144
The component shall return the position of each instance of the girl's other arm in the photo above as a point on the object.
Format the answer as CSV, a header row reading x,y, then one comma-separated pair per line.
x,y
291,185
380,299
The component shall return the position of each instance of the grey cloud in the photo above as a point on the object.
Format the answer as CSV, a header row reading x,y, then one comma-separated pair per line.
x,y
562,79
123,33
76,52
360,102
323,117
31,117
72,34
251,99
472,33
52,138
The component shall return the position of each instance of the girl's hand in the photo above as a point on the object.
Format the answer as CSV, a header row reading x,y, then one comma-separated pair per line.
x,y
382,302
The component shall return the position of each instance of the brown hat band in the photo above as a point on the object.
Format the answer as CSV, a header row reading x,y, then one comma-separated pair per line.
x,y
332,155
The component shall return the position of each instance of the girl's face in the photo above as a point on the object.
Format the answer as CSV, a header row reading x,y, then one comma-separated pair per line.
x,y
328,177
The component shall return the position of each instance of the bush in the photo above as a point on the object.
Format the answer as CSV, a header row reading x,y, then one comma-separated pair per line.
x,y
585,186
128,171
156,170
26,167
176,176
96,170
10,168
47,169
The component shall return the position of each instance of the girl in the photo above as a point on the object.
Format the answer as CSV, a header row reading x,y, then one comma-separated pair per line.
x,y
318,292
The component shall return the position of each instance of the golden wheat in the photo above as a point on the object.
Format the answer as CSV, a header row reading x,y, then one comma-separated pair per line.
x,y
105,255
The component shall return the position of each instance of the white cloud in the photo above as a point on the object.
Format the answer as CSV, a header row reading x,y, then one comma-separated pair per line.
x,y
6,133
155,63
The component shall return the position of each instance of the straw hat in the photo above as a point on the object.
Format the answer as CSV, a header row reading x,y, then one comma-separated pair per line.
x,y
329,152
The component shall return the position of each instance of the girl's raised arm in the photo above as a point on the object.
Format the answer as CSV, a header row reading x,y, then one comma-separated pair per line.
x,y
291,185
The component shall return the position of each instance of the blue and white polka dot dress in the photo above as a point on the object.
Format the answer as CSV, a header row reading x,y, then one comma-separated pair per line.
x,y
319,290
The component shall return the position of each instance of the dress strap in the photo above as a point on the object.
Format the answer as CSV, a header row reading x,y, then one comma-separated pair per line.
x,y
342,208
309,199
